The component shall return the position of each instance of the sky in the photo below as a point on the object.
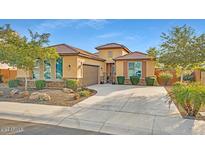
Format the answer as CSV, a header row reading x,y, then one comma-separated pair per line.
x,y
136,34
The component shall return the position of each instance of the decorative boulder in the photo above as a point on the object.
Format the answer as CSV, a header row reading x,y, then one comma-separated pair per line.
x,y
45,97
67,90
24,94
34,96
14,92
40,96
71,97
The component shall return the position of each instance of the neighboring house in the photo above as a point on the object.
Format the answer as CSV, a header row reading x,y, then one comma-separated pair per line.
x,y
110,61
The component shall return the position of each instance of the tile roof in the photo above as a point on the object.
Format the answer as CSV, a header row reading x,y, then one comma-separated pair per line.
x,y
112,45
64,49
134,56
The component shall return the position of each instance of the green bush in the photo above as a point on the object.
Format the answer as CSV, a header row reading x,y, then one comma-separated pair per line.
x,y
72,84
120,79
150,80
84,93
189,96
40,84
13,83
165,77
134,80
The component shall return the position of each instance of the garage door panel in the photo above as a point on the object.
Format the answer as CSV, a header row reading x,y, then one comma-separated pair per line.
x,y
90,75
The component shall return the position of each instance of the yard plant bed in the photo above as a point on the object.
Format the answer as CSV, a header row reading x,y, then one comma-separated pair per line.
x,y
181,109
52,96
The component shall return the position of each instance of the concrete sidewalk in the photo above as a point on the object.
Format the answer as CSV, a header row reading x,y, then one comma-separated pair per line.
x,y
115,109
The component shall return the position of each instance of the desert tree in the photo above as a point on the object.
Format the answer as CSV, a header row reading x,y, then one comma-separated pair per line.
x,y
22,52
182,49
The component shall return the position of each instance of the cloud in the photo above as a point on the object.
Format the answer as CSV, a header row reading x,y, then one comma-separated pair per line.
x,y
93,23
130,38
109,35
70,23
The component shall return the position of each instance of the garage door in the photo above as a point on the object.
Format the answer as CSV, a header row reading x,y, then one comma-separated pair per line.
x,y
90,75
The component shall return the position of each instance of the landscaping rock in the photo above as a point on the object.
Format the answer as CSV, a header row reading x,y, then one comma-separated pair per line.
x,y
14,92
77,96
1,93
67,90
24,94
71,97
45,97
34,96
40,96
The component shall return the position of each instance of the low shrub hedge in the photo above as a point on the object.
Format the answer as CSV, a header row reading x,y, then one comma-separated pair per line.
x,y
150,80
72,84
13,83
134,80
165,77
40,84
120,79
84,93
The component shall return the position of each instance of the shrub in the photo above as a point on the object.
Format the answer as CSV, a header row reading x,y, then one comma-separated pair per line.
x,y
165,77
72,84
190,97
40,84
150,80
120,79
134,80
84,93
13,83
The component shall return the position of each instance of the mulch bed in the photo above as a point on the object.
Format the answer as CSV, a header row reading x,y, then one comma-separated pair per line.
x,y
58,97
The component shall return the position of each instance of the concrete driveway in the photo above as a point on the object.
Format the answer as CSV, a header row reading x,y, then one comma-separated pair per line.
x,y
115,109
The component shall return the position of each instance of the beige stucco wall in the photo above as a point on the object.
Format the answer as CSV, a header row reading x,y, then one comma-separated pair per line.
x,y
69,67
119,68
150,68
22,74
104,53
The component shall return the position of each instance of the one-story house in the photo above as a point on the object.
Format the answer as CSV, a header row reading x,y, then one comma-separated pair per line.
x,y
88,68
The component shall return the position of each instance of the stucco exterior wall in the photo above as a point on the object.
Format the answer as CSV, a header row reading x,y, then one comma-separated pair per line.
x,y
104,53
119,68
22,74
69,67
150,68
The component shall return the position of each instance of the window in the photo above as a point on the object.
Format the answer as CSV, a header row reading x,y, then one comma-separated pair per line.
x,y
47,69
109,54
36,70
59,68
135,69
